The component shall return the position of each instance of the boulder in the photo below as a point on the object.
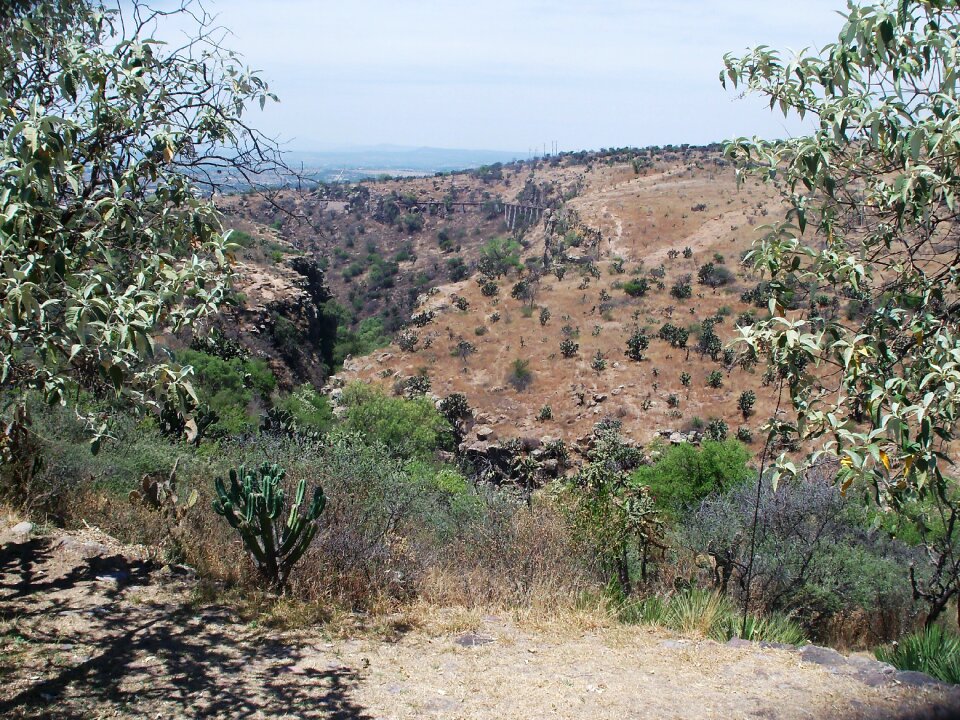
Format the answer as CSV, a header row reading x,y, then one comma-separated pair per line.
x,y
22,529
484,433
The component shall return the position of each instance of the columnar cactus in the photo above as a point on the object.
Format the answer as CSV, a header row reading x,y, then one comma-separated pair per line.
x,y
253,504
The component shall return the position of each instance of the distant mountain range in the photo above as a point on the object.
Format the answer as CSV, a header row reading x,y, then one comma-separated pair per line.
x,y
370,161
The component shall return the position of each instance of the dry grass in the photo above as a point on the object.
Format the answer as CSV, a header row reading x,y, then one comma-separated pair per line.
x,y
641,218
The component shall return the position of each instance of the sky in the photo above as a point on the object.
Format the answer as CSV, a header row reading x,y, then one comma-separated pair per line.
x,y
513,74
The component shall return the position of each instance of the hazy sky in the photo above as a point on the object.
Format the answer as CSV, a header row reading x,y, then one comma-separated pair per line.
x,y
511,74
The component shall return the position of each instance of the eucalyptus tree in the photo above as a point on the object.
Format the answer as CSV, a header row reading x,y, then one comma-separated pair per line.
x,y
872,193
111,143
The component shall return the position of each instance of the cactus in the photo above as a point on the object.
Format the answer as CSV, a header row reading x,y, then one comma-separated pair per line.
x,y
253,504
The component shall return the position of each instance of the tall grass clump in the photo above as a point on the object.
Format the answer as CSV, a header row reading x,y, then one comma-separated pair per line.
x,y
933,651
711,615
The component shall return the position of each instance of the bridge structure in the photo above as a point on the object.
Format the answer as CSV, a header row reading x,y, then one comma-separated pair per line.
x,y
512,212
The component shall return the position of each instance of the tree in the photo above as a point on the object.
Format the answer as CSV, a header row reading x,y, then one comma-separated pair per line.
x,y
686,475
614,512
110,141
873,205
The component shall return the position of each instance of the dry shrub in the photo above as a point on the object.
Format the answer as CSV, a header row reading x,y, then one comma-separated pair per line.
x,y
516,557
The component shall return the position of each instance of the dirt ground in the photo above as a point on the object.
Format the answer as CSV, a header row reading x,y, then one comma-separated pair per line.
x,y
91,629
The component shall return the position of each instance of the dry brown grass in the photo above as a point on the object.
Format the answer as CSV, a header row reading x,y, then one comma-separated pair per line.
x,y
641,218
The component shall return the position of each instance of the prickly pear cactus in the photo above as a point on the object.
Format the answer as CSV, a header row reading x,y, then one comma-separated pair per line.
x,y
253,502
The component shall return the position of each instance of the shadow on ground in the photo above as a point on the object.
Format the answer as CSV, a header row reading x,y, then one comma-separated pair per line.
x,y
82,640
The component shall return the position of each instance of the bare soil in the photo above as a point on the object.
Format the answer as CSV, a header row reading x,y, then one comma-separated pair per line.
x,y
93,629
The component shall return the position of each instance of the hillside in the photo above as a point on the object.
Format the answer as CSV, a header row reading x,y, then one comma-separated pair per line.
x,y
658,219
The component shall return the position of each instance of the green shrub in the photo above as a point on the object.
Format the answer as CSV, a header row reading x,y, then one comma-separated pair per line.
x,y
933,651
309,409
681,289
228,388
717,429
408,427
715,379
369,336
411,222
684,475
813,556
520,375
499,256
637,344
568,348
637,287
711,615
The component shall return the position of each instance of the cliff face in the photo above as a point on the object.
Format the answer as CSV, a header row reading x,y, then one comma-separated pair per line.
x,y
284,317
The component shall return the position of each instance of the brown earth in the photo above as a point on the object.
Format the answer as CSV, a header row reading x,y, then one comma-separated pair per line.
x,y
92,629
641,217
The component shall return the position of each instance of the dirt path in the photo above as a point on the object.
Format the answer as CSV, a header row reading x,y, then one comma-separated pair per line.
x,y
89,629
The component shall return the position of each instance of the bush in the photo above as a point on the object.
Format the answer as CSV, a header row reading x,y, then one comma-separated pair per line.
x,y
745,403
568,348
637,344
717,429
637,287
457,269
520,376
228,388
814,556
411,222
408,427
933,651
407,340
546,413
544,316
714,276
715,379
598,363
499,256
682,289
711,615
488,288
309,409
686,475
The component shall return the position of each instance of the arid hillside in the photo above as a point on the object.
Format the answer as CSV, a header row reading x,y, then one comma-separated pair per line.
x,y
611,222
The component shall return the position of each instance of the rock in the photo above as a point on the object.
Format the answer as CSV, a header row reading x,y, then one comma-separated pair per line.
x,y
599,397
739,643
114,578
530,444
677,438
915,679
482,417
480,448
675,644
85,550
23,529
473,640
484,433
822,656
446,456
551,467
